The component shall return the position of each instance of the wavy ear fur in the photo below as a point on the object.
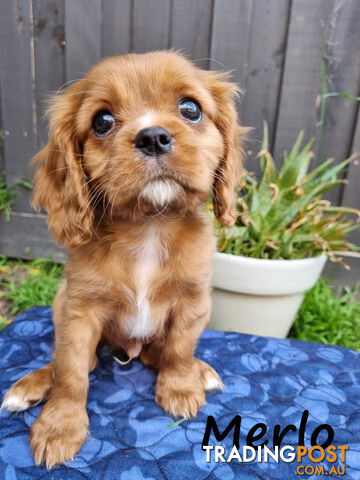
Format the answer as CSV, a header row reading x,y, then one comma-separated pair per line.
x,y
60,181
230,167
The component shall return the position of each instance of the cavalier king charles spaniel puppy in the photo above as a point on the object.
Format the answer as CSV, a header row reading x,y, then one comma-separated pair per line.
x,y
134,149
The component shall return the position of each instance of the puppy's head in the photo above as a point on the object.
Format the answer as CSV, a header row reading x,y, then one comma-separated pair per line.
x,y
144,133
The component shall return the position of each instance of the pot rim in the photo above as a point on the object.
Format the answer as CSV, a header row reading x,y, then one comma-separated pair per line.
x,y
243,258
261,276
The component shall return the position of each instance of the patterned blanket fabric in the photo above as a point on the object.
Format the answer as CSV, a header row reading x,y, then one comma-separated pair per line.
x,y
266,380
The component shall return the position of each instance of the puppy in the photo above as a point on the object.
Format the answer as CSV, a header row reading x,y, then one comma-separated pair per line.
x,y
134,150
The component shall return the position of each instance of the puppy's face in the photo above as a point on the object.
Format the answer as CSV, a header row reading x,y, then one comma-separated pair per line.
x,y
148,133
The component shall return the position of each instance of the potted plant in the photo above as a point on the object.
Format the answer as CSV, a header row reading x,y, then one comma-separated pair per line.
x,y
283,236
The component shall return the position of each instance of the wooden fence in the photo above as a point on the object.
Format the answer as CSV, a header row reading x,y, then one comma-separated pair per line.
x,y
276,49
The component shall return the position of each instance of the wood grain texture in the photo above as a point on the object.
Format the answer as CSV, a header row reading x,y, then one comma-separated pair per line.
x,y
49,48
82,36
343,70
2,153
351,192
230,44
17,89
230,39
262,83
26,235
190,32
150,25
298,108
116,27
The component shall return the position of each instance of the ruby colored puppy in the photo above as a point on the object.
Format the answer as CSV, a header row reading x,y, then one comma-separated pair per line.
x,y
134,150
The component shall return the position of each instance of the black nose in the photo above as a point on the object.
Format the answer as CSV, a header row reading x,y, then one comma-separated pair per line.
x,y
153,141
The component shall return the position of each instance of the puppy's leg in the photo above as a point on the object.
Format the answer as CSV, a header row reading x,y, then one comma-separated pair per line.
x,y
60,430
34,388
151,354
29,390
183,379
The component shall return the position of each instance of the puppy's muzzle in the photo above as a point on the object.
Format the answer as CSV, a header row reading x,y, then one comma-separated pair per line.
x,y
153,141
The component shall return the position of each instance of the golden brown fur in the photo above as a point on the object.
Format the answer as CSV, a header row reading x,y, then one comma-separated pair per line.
x,y
130,260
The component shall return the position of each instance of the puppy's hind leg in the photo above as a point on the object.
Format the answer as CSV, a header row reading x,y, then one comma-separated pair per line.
x,y
30,390
34,388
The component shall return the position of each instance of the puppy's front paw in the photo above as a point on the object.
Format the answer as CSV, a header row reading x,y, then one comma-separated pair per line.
x,y
182,393
59,432
179,401
209,377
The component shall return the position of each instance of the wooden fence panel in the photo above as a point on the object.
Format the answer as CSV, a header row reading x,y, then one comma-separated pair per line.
x,y
18,102
351,193
2,157
343,70
274,49
26,236
82,36
150,26
116,27
231,37
230,42
262,84
190,29
302,73
49,55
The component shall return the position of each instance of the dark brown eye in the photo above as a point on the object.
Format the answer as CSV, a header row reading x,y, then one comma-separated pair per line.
x,y
190,110
103,123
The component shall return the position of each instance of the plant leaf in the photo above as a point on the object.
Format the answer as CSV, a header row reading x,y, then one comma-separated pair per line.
x,y
295,166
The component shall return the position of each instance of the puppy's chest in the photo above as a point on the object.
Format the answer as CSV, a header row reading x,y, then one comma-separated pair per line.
x,y
150,256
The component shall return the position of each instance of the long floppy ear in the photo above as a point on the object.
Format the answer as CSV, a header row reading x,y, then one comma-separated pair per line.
x,y
230,168
60,181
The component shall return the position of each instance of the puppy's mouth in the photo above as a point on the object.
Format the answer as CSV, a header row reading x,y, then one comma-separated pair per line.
x,y
162,197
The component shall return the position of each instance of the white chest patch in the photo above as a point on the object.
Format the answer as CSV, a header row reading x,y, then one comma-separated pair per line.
x,y
140,325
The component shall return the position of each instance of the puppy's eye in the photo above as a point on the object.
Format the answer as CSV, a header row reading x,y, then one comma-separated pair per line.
x,y
190,110
103,123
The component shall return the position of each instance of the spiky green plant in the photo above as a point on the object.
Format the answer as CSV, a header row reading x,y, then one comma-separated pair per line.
x,y
7,195
282,215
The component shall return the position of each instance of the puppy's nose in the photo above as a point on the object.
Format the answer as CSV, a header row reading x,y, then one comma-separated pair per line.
x,y
153,141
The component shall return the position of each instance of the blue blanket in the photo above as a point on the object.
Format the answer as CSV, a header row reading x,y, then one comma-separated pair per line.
x,y
267,380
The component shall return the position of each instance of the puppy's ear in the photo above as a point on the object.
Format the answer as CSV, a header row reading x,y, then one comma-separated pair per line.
x,y
230,167
60,181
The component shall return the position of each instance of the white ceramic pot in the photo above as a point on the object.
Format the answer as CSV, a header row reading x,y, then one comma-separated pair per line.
x,y
260,296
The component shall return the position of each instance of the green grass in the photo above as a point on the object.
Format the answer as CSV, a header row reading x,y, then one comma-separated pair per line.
x,y
177,423
3,323
36,286
329,317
